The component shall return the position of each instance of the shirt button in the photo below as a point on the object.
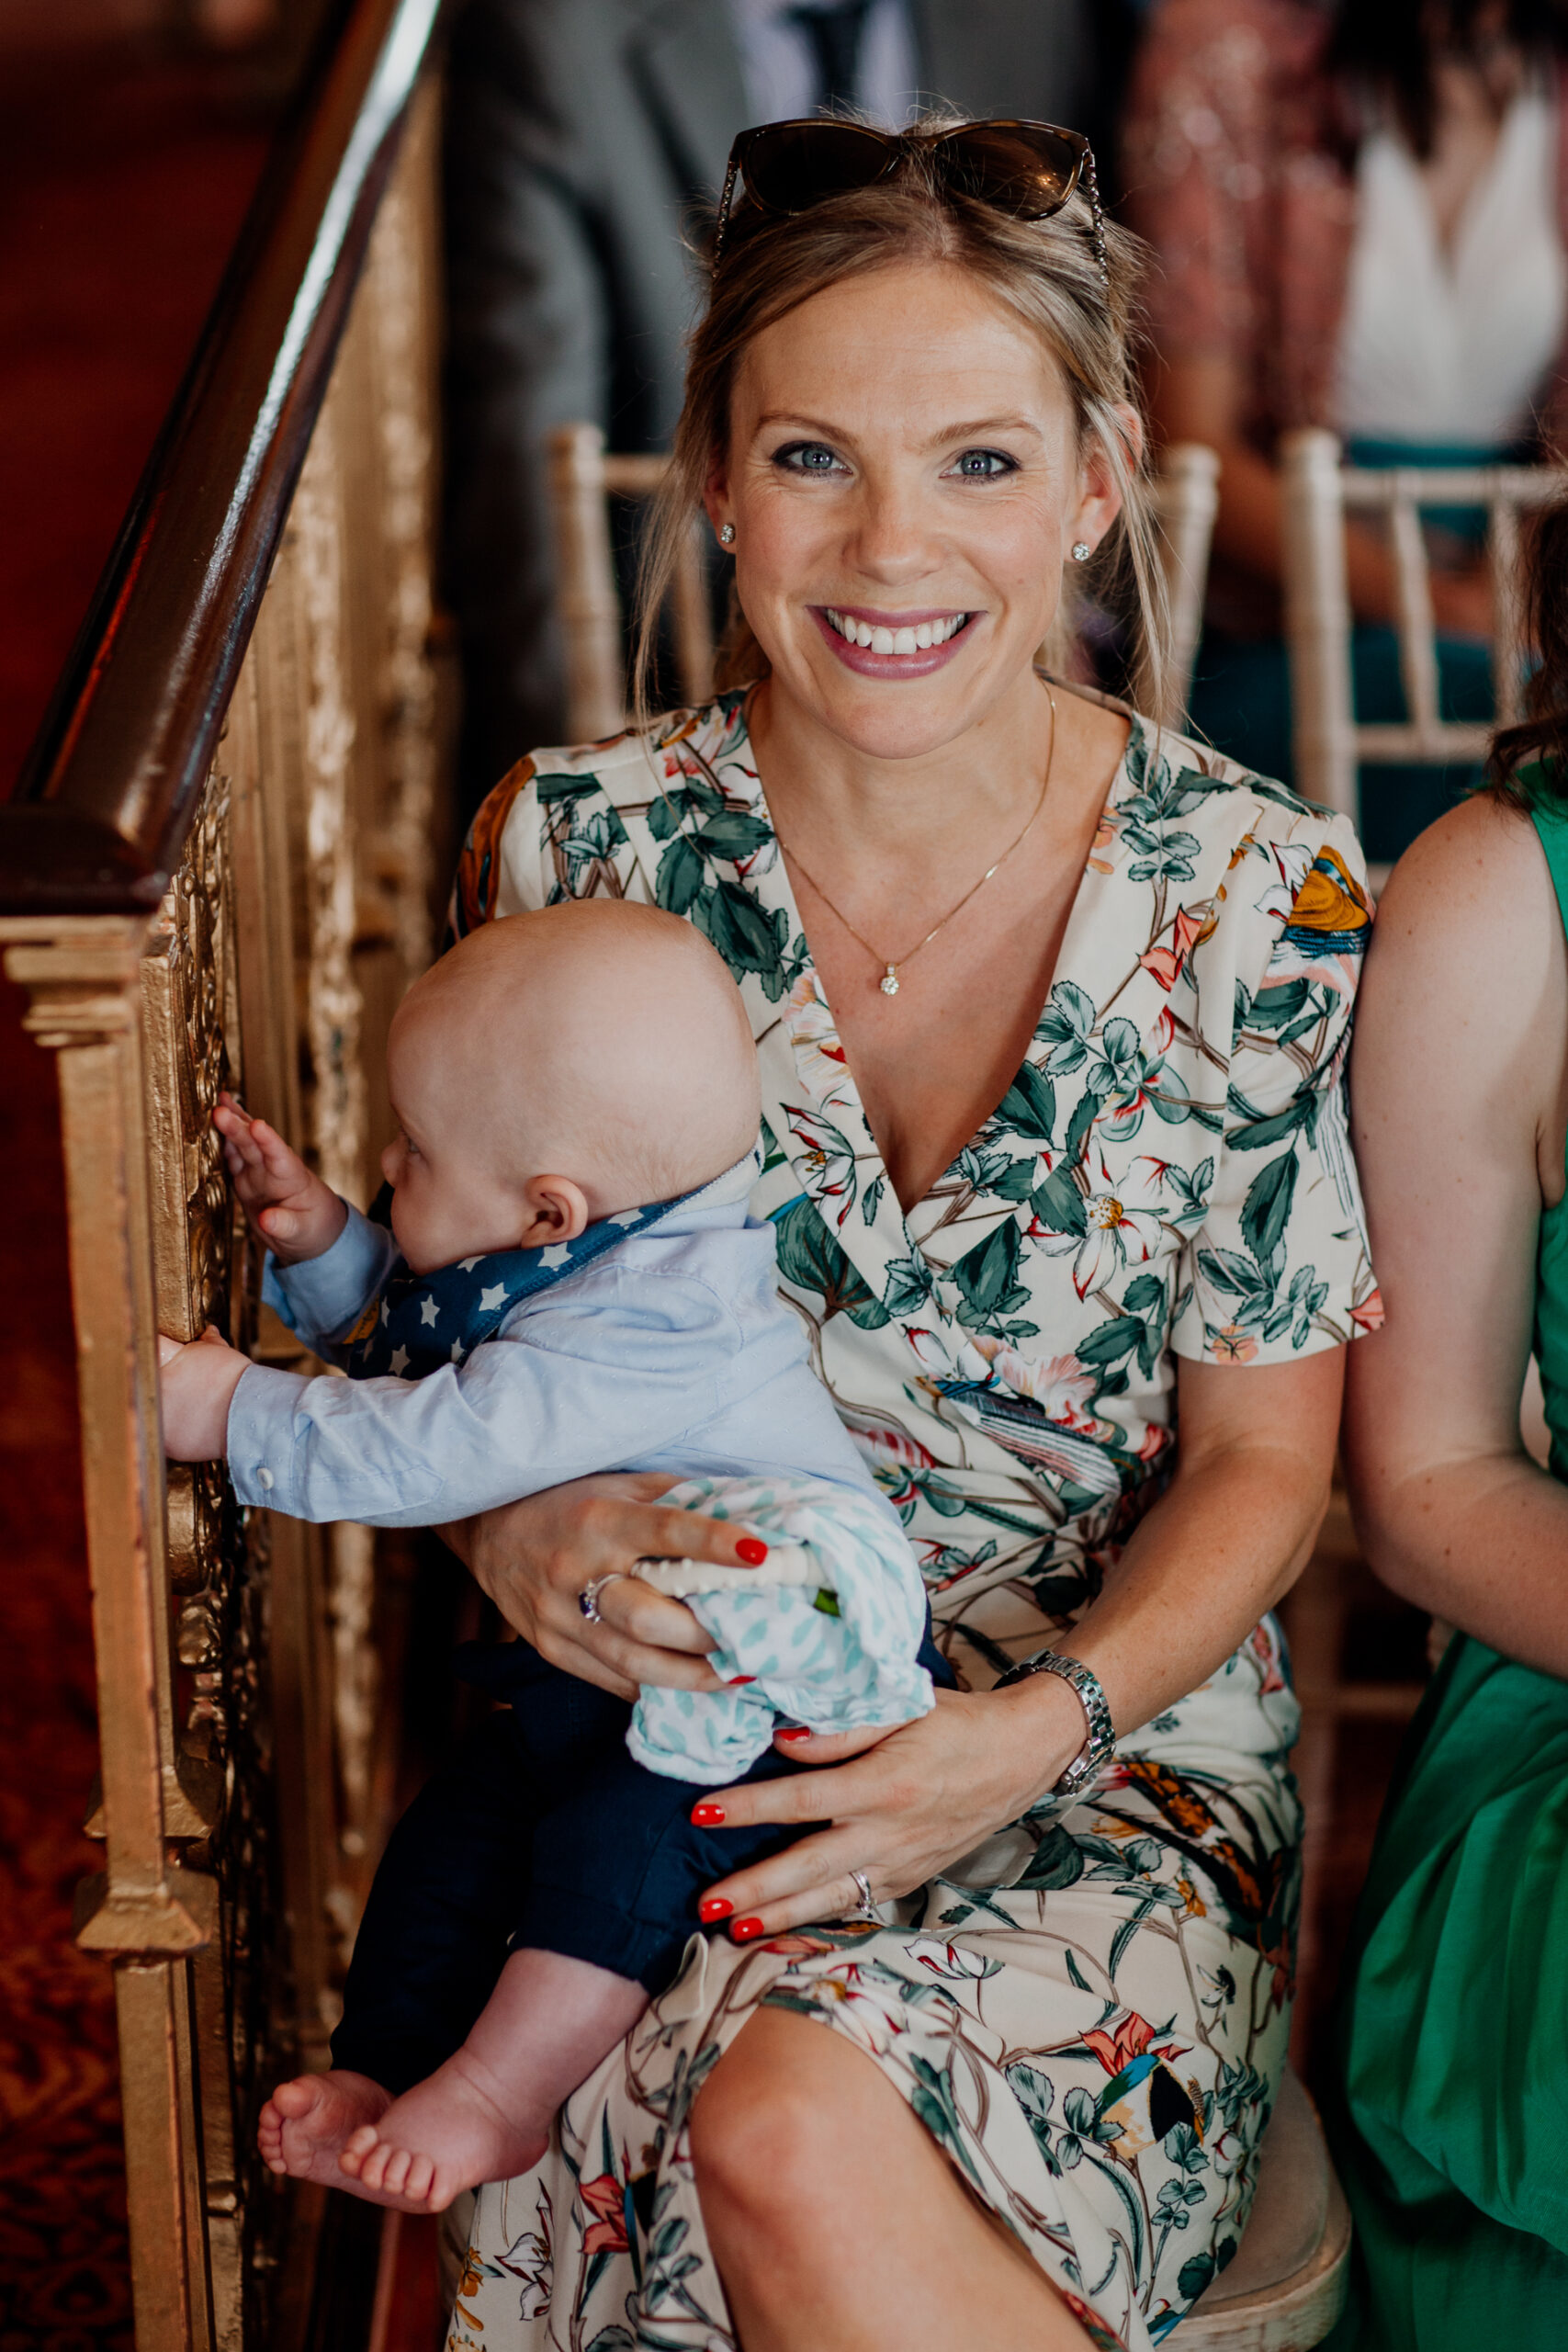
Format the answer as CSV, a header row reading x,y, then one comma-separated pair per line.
x,y
264,1477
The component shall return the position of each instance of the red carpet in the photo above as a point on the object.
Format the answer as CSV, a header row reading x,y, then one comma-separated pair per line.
x,y
121,189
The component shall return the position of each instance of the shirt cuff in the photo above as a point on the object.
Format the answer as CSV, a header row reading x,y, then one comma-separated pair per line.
x,y
324,1298
261,1434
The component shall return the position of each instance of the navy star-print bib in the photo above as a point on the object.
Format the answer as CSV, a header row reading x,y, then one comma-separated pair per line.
x,y
421,1321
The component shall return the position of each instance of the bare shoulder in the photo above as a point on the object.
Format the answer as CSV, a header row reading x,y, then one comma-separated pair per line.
x,y
1471,908
1465,1000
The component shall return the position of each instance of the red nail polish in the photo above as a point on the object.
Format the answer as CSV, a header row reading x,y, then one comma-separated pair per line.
x,y
737,1680
745,1929
752,1550
798,1731
706,1816
714,1906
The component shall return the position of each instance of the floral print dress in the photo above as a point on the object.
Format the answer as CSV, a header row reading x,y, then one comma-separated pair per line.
x,y
1089,2013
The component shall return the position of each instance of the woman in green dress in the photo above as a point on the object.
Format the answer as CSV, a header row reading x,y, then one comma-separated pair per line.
x,y
1453,2134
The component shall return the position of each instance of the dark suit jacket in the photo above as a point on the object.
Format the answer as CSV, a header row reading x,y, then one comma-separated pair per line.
x,y
578,134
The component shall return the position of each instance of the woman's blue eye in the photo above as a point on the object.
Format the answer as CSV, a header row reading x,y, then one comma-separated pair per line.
x,y
983,465
808,458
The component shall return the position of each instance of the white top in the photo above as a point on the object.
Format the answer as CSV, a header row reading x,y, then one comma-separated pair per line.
x,y
780,72
1452,346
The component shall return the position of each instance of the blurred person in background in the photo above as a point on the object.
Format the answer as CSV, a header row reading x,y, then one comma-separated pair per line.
x,y
580,133
1450,2114
1359,214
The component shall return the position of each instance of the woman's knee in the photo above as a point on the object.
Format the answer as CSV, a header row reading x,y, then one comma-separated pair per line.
x,y
765,2128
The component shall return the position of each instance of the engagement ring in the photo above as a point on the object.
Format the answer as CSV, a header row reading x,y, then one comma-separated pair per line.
x,y
865,1908
588,1599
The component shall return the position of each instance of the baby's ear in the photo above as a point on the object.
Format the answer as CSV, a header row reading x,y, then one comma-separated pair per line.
x,y
554,1210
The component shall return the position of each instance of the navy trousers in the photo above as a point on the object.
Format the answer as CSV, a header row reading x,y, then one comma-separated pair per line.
x,y
542,1834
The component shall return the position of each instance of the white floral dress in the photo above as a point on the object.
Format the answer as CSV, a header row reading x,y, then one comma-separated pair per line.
x,y
1091,2013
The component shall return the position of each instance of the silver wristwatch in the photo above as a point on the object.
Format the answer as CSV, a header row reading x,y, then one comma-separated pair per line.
x,y
1100,1744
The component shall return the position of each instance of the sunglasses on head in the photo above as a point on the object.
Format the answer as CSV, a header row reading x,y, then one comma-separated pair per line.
x,y
1029,169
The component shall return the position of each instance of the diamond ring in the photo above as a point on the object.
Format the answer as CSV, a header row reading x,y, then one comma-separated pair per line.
x,y
588,1599
864,1908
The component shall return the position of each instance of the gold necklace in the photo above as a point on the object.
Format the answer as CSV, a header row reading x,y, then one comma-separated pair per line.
x,y
889,982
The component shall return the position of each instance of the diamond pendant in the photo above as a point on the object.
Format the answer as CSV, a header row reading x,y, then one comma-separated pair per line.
x,y
889,983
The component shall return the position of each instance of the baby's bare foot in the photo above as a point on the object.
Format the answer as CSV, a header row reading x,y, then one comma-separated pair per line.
x,y
306,2125
446,2135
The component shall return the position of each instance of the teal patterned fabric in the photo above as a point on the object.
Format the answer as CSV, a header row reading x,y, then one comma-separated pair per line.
x,y
836,1653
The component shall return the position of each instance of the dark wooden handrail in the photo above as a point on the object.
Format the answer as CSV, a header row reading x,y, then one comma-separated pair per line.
x,y
113,780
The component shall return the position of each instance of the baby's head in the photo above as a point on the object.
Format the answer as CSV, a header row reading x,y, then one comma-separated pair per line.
x,y
557,1067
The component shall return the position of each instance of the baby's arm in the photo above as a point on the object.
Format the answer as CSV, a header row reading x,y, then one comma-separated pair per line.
x,y
513,1417
196,1381
301,1219
296,1215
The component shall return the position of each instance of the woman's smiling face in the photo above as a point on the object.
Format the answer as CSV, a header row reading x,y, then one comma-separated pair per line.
x,y
905,482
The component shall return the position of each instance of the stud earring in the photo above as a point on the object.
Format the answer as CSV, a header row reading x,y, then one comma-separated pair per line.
x,y
1081,550
727,535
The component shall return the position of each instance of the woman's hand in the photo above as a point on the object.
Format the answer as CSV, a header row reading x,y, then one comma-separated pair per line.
x,y
928,1793
535,1557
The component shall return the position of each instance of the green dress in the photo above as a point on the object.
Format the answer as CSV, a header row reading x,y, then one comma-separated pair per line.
x,y
1452,2128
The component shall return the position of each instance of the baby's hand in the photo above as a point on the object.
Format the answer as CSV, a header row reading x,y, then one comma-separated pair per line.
x,y
294,1213
196,1380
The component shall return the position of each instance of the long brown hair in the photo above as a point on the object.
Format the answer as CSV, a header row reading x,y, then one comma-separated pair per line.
x,y
1542,733
1393,46
1047,271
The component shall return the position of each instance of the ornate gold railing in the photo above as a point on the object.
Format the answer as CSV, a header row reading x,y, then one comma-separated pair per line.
x,y
218,871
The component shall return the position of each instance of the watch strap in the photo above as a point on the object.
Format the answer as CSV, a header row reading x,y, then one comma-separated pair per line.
x,y
1100,1744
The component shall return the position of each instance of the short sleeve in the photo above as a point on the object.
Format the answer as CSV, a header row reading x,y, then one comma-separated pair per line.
x,y
550,830
1279,1267
496,875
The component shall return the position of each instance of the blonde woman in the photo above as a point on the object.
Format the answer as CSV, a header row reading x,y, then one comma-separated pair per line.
x,y
1051,1014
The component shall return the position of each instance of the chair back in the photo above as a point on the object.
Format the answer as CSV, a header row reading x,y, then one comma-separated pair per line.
x,y
1320,492
584,476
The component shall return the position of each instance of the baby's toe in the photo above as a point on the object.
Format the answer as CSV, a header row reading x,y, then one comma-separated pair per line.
x,y
421,2174
395,2172
290,2100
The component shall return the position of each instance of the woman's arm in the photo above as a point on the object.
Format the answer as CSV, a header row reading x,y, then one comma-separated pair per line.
x,y
1458,1095
1195,398
1225,1540
1229,1537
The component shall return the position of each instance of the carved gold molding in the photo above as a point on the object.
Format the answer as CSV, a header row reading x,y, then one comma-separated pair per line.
x,y
237,1672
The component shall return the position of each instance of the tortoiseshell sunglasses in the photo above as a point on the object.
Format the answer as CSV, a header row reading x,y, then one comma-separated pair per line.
x,y
1029,169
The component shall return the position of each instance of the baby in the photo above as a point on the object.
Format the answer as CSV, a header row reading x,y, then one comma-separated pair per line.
x,y
571,1284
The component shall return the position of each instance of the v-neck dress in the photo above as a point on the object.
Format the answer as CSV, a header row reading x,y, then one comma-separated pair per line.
x,y
1091,2013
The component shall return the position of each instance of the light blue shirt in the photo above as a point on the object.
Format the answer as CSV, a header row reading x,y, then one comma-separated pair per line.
x,y
672,1353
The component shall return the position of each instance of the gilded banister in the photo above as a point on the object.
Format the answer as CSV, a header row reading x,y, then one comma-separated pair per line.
x,y
217,872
